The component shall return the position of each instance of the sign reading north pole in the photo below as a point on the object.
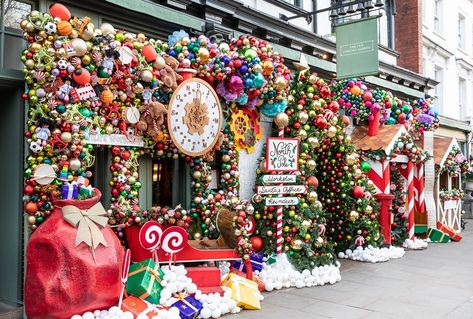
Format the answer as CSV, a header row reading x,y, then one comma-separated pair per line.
x,y
282,154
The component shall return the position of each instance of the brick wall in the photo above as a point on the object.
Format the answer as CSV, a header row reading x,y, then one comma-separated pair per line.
x,y
408,33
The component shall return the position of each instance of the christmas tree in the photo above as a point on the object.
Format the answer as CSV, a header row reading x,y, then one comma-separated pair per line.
x,y
304,224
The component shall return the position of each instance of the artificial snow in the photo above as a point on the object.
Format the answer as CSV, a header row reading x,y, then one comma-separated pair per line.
x,y
282,274
372,255
415,244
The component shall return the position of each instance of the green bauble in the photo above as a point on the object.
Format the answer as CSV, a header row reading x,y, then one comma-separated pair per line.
x,y
365,166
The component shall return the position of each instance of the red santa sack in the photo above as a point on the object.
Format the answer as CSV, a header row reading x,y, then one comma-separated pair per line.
x,y
64,278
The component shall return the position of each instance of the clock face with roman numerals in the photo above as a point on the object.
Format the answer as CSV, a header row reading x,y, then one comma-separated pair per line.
x,y
194,117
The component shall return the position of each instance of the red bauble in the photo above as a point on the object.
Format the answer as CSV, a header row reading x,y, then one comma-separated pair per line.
x,y
312,181
257,243
358,191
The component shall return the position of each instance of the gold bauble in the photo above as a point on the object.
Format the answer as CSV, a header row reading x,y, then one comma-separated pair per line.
x,y
350,159
318,205
312,196
296,244
303,117
74,164
262,166
31,220
311,165
302,134
226,176
257,198
281,120
369,209
131,180
370,183
313,78
197,174
226,158
357,173
146,76
66,137
197,236
313,141
354,215
109,129
280,83
332,131
203,55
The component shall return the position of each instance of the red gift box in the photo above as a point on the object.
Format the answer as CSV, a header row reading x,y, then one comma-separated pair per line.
x,y
138,306
207,279
450,232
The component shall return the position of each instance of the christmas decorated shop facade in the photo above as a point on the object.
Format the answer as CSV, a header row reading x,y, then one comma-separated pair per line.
x,y
171,127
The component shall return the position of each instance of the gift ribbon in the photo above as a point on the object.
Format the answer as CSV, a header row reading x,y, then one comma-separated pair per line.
x,y
154,277
237,280
86,222
182,297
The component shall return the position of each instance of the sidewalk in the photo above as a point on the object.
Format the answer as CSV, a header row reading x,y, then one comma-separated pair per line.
x,y
434,283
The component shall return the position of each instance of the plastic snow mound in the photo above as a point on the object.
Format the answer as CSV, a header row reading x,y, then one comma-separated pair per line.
x,y
175,281
114,312
372,255
415,244
282,274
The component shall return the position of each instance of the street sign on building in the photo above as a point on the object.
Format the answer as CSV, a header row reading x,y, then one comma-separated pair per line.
x,y
357,48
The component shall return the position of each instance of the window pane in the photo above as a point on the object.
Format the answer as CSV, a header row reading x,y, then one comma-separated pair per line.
x,y
12,55
162,182
14,12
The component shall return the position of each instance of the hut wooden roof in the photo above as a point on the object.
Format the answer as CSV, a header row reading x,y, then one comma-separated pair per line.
x,y
384,140
442,146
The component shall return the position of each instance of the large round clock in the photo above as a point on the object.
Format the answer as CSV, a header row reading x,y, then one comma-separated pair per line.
x,y
194,117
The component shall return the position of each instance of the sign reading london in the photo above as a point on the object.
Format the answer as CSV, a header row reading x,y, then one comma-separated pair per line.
x,y
281,189
282,154
282,201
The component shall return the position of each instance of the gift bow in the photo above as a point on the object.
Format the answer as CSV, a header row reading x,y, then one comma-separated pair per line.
x,y
154,276
86,222
182,297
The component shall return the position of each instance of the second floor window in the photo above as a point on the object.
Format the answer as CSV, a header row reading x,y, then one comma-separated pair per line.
x,y
461,31
438,16
297,3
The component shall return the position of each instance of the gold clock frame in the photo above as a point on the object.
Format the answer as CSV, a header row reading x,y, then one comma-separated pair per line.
x,y
173,104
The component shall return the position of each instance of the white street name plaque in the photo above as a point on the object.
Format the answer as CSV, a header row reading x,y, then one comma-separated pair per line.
x,y
282,201
279,179
284,189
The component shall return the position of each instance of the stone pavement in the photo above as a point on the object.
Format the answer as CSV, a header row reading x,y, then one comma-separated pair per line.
x,y
433,283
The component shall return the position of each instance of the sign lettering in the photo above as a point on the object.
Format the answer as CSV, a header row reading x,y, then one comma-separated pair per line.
x,y
115,139
279,179
282,154
282,201
281,189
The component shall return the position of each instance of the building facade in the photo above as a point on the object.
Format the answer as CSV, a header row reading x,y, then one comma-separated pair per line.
x,y
312,35
438,44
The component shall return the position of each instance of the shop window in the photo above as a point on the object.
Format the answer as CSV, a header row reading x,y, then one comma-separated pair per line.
x,y
165,182
11,34
443,181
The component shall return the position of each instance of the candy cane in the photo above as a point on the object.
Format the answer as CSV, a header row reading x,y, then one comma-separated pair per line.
x,y
420,188
321,229
279,238
124,276
359,240
150,237
250,226
174,240
410,199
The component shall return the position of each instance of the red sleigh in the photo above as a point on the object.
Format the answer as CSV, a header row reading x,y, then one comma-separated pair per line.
x,y
175,247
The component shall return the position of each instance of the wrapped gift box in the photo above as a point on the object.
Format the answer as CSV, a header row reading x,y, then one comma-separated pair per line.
x,y
69,190
256,260
188,306
437,236
207,279
144,281
245,292
259,282
138,307
271,259
450,232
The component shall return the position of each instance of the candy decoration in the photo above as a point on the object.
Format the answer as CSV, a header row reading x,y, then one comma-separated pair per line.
x,y
106,97
44,174
150,235
174,240
250,225
124,276
419,188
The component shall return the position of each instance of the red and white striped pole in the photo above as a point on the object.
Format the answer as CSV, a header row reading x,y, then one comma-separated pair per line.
x,y
420,202
410,199
279,238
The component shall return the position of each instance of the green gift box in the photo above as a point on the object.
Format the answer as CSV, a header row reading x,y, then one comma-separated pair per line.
x,y
438,236
271,259
144,281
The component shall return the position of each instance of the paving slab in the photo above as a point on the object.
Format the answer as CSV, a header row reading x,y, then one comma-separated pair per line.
x,y
432,283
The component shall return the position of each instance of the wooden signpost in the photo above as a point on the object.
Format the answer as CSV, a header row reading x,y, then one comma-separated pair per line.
x,y
282,155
